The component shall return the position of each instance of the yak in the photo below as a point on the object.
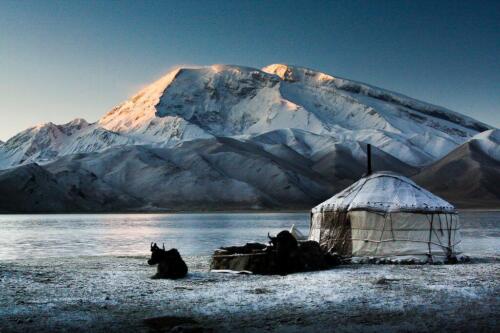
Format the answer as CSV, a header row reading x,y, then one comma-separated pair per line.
x,y
293,256
284,242
286,250
170,263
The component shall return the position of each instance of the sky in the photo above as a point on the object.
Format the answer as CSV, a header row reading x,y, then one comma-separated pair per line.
x,y
60,60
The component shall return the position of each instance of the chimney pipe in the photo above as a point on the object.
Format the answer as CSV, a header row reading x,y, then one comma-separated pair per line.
x,y
369,159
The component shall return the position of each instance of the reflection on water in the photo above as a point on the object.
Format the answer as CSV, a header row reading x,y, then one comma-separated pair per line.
x,y
130,234
36,236
480,233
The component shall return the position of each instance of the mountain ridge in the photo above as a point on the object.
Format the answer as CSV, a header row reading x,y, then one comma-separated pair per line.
x,y
218,173
469,175
229,100
231,137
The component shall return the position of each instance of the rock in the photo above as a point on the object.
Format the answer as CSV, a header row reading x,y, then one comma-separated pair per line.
x,y
166,323
188,329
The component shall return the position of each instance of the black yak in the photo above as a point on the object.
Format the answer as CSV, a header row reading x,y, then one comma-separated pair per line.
x,y
287,252
293,256
170,263
284,242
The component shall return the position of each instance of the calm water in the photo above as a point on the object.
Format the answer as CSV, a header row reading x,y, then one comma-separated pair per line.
x,y
38,236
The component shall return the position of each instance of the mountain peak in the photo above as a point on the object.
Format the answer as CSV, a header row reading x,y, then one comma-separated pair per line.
x,y
196,102
77,122
296,73
42,125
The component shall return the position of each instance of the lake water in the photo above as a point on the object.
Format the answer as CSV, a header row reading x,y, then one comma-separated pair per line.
x,y
40,236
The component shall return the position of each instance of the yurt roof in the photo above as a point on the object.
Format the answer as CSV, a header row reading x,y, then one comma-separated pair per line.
x,y
385,192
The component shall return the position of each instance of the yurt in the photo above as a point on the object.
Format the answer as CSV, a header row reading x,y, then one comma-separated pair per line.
x,y
387,217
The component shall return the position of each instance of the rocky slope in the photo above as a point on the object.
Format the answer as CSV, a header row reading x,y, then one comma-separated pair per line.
x,y
216,174
31,188
469,176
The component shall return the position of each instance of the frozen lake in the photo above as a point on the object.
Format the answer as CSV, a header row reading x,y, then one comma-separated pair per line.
x,y
44,236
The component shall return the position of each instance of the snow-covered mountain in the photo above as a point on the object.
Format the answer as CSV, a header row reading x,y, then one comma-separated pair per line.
x,y
470,174
215,173
46,142
489,143
232,137
242,102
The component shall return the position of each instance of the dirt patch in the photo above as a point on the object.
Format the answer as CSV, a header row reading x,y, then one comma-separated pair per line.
x,y
174,324
259,291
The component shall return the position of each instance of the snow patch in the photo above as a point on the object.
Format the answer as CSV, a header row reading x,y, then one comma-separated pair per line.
x,y
489,142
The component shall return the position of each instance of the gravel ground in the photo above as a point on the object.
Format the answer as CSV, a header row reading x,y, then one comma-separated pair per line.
x,y
111,294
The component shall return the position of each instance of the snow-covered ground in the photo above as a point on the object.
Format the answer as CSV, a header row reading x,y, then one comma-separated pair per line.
x,y
92,287
116,294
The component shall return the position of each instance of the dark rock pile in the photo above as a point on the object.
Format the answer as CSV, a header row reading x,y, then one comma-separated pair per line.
x,y
283,255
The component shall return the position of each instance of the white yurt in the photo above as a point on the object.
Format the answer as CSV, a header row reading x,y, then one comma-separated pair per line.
x,y
386,216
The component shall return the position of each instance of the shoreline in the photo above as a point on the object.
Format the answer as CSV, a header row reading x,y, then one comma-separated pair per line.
x,y
243,211
263,211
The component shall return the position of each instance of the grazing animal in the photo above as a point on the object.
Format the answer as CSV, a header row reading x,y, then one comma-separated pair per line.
x,y
170,263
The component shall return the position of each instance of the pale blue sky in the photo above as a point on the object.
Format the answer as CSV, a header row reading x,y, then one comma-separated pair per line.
x,y
65,59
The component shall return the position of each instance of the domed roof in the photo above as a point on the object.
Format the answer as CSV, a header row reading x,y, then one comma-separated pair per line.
x,y
385,192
